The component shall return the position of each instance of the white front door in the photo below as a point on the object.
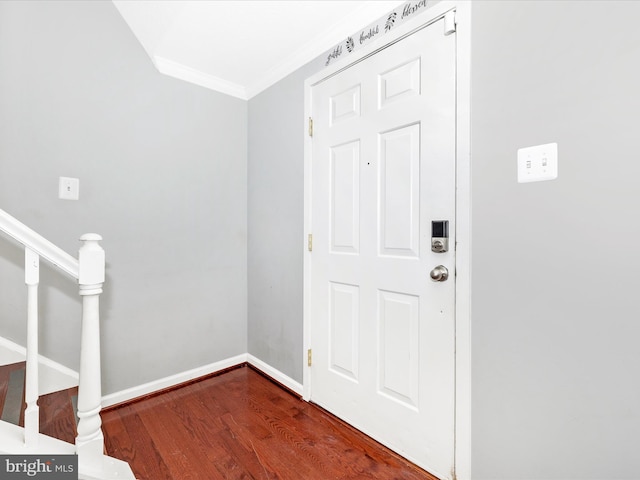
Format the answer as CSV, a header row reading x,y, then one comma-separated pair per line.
x,y
382,331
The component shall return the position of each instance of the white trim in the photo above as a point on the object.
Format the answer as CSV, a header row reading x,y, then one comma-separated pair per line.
x,y
53,376
274,75
170,381
193,374
463,243
463,210
341,28
191,75
306,264
11,352
277,375
347,25
428,16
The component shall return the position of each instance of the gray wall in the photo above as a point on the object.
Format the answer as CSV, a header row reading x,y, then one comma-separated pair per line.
x,y
276,220
162,169
555,315
164,178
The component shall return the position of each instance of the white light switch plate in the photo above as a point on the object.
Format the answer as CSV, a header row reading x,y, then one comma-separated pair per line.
x,y
69,188
537,164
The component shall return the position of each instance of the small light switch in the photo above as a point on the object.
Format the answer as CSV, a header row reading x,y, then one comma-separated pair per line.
x,y
69,188
537,164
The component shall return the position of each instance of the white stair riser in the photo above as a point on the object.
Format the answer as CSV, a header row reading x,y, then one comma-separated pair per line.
x,y
53,376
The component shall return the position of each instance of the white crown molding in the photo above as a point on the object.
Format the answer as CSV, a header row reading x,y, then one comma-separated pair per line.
x,y
153,21
339,31
191,75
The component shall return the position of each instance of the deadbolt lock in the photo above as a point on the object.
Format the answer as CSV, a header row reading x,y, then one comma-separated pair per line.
x,y
440,236
439,245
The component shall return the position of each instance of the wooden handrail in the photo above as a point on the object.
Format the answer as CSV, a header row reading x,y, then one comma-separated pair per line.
x,y
37,243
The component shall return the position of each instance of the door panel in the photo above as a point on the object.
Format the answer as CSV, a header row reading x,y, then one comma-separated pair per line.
x,y
383,168
343,346
345,105
400,82
400,191
345,198
399,324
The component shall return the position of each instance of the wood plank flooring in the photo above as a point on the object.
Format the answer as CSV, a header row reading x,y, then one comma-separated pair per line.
x,y
240,425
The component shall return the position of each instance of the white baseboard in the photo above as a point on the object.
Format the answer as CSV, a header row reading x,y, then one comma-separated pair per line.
x,y
277,375
11,352
53,376
149,388
170,381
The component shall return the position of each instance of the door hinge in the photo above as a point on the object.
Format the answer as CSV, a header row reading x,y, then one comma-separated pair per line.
x,y
310,242
310,127
309,357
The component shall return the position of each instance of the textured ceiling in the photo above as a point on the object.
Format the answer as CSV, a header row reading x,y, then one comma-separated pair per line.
x,y
242,47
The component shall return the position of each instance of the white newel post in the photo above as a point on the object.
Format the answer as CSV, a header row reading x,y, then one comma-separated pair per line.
x,y
31,414
90,441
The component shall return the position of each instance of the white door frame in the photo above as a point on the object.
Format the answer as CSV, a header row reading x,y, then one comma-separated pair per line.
x,y
463,210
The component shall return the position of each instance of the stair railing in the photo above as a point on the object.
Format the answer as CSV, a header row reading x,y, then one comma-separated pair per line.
x,y
89,271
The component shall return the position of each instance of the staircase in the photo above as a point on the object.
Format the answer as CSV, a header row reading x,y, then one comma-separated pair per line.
x,y
57,409
29,411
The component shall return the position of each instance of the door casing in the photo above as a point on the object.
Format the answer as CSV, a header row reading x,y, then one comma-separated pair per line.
x,y
463,210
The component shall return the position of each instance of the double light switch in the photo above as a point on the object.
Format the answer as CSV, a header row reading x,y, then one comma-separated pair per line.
x,y
537,164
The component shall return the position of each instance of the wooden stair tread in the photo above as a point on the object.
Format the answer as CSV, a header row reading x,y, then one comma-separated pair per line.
x,y
57,415
57,412
11,391
5,374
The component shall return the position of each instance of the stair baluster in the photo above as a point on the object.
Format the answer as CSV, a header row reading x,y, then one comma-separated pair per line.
x,y
89,270
31,394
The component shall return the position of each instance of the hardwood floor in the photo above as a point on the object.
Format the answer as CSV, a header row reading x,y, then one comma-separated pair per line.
x,y
240,425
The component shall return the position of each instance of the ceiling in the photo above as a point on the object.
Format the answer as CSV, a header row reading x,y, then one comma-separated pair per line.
x,y
242,47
